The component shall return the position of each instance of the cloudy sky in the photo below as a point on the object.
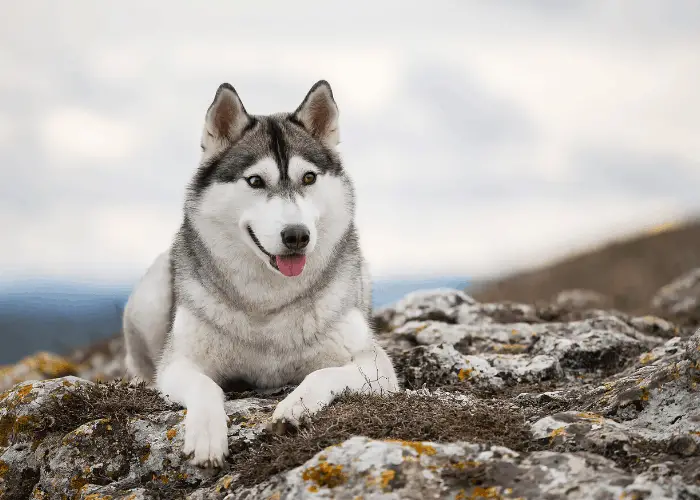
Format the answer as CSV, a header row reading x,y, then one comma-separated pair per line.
x,y
482,136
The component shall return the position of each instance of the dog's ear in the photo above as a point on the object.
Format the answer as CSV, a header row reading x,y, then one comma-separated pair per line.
x,y
226,120
318,114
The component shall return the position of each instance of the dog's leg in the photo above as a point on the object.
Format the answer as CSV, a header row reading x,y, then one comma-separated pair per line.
x,y
371,371
184,381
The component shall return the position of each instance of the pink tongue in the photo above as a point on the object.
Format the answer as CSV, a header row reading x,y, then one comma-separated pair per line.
x,y
291,265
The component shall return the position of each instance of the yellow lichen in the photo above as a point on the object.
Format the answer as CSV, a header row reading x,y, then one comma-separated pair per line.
x,y
275,496
591,416
560,431
224,483
53,366
146,454
646,358
3,468
24,391
97,496
419,447
38,494
480,492
516,348
465,373
645,394
171,434
387,476
162,478
313,488
465,464
43,364
77,482
325,474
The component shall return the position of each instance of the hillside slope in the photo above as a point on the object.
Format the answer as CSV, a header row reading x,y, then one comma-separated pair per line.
x,y
628,272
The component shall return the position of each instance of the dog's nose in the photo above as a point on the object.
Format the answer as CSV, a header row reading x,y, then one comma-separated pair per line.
x,y
295,237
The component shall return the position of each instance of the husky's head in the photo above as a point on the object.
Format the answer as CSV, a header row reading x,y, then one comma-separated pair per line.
x,y
272,187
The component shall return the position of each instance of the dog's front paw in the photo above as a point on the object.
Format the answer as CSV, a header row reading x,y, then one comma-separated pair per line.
x,y
206,435
304,402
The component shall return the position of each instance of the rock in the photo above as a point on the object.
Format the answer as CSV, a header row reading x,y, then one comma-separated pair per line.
x,y
442,304
361,467
580,299
103,361
659,399
39,366
681,297
505,400
97,439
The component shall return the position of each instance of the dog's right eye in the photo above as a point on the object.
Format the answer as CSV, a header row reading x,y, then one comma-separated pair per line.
x,y
255,181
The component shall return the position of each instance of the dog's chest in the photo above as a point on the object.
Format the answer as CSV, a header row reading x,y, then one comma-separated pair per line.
x,y
281,348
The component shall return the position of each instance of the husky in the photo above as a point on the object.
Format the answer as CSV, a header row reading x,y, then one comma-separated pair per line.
x,y
264,282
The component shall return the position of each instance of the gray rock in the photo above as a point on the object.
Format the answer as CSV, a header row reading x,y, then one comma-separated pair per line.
x,y
612,403
681,296
441,304
580,299
361,467
116,452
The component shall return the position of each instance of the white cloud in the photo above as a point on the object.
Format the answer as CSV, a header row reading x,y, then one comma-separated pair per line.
x,y
481,240
6,131
465,125
76,137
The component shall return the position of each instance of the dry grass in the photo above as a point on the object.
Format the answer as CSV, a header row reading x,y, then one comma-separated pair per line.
x,y
399,416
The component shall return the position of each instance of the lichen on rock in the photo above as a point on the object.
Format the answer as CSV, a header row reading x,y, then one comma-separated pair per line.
x,y
499,400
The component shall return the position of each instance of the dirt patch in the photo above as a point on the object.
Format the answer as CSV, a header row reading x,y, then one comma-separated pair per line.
x,y
628,272
399,416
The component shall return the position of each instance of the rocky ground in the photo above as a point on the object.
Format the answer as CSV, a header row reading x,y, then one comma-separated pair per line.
x,y
501,400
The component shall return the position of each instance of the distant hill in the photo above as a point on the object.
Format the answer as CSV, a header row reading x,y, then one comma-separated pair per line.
x,y
60,316
629,271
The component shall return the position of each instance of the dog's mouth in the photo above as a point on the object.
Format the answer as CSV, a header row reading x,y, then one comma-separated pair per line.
x,y
289,264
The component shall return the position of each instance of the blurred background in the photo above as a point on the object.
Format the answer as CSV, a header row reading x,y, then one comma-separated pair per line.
x,y
505,134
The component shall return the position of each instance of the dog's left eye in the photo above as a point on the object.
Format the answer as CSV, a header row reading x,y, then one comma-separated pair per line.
x,y
255,181
309,178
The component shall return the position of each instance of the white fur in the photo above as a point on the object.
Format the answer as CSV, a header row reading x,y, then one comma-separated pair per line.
x,y
279,333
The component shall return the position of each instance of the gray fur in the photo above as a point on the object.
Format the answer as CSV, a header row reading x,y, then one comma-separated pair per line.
x,y
215,309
